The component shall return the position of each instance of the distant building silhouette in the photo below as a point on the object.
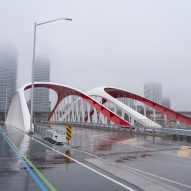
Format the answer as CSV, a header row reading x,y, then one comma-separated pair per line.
x,y
153,91
8,76
41,95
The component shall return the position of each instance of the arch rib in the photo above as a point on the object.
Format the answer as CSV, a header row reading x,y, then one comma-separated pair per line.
x,y
116,93
62,91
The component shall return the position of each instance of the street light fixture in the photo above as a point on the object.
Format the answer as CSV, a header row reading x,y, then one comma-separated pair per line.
x,y
33,62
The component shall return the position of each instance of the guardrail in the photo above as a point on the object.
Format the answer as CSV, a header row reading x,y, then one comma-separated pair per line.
x,y
94,125
154,130
166,131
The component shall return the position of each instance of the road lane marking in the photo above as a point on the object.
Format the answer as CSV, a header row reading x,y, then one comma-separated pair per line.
x,y
127,141
175,155
137,170
31,172
184,151
156,176
84,165
32,169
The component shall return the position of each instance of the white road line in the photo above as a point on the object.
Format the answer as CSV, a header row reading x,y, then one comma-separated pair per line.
x,y
159,177
137,170
82,164
107,177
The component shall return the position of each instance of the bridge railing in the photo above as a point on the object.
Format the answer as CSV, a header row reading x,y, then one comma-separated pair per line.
x,y
172,130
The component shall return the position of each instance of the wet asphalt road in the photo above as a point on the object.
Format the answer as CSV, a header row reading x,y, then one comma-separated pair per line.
x,y
150,163
62,172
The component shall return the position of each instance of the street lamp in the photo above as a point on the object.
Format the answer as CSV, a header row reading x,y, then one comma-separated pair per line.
x,y
33,62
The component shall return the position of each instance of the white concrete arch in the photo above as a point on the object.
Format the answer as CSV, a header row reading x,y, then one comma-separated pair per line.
x,y
141,119
19,116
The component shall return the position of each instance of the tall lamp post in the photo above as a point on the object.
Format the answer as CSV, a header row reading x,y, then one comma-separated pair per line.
x,y
33,63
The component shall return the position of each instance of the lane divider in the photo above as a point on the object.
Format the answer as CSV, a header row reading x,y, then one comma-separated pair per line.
x,y
134,169
86,166
31,168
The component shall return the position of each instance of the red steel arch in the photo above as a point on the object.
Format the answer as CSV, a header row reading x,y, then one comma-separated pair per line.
x,y
64,91
116,93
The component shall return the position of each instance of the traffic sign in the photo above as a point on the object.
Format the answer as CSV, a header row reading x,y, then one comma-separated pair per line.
x,y
68,132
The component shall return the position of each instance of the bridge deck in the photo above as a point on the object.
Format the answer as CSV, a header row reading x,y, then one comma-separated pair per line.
x,y
120,159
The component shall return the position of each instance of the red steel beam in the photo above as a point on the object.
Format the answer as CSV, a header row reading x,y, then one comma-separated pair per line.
x,y
116,93
63,91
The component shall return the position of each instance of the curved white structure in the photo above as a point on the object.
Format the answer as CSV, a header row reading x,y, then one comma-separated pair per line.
x,y
141,119
112,93
19,116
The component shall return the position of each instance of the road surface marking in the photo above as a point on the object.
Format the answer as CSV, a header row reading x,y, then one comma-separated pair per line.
x,y
31,172
156,176
109,178
184,151
84,165
127,141
137,170
32,169
172,154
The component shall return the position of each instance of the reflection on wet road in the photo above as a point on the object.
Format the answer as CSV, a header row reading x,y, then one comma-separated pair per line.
x,y
62,171
98,160
157,158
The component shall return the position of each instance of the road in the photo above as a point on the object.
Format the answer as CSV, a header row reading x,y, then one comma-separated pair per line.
x,y
97,160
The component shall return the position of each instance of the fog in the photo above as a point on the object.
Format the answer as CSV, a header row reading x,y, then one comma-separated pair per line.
x,y
122,43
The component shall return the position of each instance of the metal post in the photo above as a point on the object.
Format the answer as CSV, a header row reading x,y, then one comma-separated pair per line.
x,y
165,120
136,105
33,67
145,114
33,63
154,115
6,104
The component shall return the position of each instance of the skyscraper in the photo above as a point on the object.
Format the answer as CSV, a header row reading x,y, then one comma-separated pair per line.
x,y
8,76
153,91
41,95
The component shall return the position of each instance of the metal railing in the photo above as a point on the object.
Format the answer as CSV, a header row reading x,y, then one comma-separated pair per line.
x,y
176,129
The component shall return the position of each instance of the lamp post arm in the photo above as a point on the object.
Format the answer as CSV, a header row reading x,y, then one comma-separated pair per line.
x,y
67,19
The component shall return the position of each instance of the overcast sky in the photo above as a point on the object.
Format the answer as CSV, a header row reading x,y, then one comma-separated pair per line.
x,y
123,43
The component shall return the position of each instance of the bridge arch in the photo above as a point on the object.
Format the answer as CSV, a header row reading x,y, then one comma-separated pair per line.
x,y
19,116
112,93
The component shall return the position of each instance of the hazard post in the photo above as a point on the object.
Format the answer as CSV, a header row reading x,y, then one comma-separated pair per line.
x,y
68,133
